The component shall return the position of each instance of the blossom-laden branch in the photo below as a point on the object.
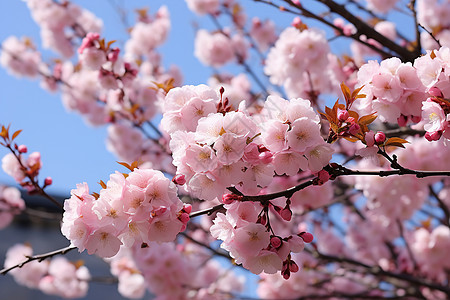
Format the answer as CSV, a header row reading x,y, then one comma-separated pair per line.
x,y
377,271
39,258
19,169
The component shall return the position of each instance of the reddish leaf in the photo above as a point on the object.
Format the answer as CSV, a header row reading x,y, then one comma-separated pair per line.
x,y
395,140
102,184
125,165
15,134
366,120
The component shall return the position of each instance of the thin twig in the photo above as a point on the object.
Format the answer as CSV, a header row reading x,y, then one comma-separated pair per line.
x,y
39,258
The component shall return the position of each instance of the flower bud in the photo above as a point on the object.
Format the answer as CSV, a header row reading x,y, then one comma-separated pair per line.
x,y
343,115
307,237
354,128
324,176
22,149
380,137
179,179
276,242
48,181
286,214
230,198
293,267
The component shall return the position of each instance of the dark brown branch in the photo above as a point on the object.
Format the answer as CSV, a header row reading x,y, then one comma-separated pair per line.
x,y
39,258
364,28
208,211
377,271
442,205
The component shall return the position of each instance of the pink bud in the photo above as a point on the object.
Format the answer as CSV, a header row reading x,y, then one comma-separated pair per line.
x,y
433,136
293,267
184,218
187,208
230,198
179,179
436,92
276,242
297,21
286,275
343,115
22,149
48,181
307,237
324,176
354,128
286,214
296,2
380,137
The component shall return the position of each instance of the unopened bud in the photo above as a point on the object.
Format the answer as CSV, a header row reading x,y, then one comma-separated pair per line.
x,y
48,181
343,115
293,267
230,198
296,22
276,242
324,176
187,208
184,218
380,137
179,179
354,128
307,237
22,149
286,214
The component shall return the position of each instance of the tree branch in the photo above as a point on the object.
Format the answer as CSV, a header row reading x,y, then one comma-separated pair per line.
x,y
39,258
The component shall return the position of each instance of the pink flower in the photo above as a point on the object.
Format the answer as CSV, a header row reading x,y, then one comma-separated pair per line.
x,y
266,261
434,116
213,49
202,7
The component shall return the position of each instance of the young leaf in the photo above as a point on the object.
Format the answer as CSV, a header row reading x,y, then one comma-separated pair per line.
x,y
125,165
15,134
366,120
102,184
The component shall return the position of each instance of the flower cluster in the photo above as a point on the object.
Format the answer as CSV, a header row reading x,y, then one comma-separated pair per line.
x,y
298,61
61,22
244,230
402,92
172,272
11,204
135,209
58,277
20,57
